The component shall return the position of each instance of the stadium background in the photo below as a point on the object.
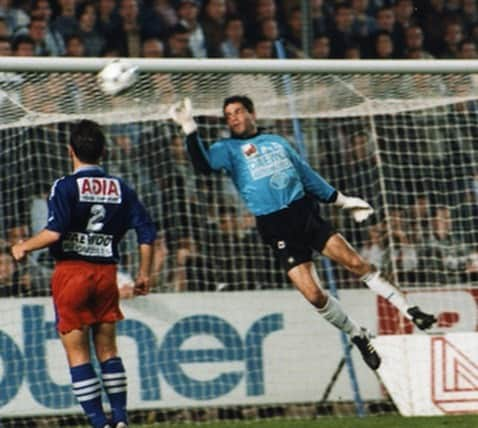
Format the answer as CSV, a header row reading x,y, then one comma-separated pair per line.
x,y
413,162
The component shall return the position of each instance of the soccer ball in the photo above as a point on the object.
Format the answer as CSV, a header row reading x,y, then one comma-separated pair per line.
x,y
117,76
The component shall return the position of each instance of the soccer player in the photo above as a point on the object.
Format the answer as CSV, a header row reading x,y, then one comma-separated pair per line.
x,y
88,214
283,191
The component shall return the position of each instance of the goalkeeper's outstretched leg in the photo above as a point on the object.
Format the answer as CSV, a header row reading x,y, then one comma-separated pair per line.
x,y
306,280
339,250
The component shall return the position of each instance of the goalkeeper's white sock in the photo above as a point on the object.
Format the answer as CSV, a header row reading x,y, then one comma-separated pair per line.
x,y
335,315
376,282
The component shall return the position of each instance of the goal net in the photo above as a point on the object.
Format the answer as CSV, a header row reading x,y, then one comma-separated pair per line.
x,y
224,335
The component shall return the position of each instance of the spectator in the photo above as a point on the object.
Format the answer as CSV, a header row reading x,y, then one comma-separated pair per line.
x,y
264,49
152,48
225,241
75,46
373,248
452,37
420,215
265,9
432,18
341,34
293,33
192,270
213,22
230,47
37,31
5,47
188,12
166,12
383,45
321,47
127,38
8,285
269,29
177,43
23,45
94,43
364,25
247,51
15,18
4,30
153,23
65,23
400,255
261,10
414,44
319,20
353,51
385,18
404,14
160,84
107,20
53,39
467,50
469,15
442,257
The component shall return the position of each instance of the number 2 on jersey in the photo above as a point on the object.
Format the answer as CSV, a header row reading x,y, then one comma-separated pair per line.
x,y
97,214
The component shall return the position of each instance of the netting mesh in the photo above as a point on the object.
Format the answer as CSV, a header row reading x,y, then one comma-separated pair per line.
x,y
405,143
45,97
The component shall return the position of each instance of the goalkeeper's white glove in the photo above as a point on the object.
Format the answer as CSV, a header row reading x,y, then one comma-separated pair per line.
x,y
359,208
182,114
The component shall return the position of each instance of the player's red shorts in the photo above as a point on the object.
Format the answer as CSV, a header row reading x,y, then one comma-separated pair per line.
x,y
84,293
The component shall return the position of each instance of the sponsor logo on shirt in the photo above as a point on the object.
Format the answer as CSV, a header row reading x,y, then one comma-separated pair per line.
x,y
269,161
249,150
88,244
99,189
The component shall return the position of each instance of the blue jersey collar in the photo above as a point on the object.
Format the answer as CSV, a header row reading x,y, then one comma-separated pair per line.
x,y
88,168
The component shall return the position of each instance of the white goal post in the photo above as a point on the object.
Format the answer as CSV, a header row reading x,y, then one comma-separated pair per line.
x,y
229,331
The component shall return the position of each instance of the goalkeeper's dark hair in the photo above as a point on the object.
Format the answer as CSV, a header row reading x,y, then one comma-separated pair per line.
x,y
88,141
242,99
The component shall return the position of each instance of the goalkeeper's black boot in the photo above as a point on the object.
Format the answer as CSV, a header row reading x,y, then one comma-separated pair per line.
x,y
369,354
422,320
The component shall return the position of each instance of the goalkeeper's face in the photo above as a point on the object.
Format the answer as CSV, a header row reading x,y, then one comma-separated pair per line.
x,y
240,121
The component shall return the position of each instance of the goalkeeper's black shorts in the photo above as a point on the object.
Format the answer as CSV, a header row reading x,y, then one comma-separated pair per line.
x,y
295,232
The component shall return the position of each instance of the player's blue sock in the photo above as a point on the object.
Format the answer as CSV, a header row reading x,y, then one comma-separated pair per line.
x,y
114,382
87,390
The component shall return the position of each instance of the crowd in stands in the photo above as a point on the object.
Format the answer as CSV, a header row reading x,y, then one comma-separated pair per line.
x,y
414,29
425,235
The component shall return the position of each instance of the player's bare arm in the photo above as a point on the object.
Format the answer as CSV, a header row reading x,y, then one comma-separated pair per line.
x,y
43,239
143,281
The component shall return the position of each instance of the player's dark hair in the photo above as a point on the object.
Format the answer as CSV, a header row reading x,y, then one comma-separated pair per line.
x,y
242,99
88,141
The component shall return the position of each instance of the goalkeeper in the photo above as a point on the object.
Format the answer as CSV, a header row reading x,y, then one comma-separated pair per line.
x,y
283,191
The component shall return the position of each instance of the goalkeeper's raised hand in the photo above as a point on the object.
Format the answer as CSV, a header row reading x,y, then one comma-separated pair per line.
x,y
182,113
359,208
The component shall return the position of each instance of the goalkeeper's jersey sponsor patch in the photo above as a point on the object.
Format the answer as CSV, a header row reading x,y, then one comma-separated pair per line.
x,y
99,190
88,244
269,161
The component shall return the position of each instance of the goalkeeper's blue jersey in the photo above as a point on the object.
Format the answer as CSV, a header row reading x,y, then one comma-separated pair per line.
x,y
268,173
92,211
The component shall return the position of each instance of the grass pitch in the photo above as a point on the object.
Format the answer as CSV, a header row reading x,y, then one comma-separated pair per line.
x,y
470,421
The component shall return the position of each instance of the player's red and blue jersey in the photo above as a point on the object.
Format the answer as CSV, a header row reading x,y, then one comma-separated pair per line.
x,y
92,211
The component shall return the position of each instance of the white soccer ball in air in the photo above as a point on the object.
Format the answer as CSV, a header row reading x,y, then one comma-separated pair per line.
x,y
117,76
